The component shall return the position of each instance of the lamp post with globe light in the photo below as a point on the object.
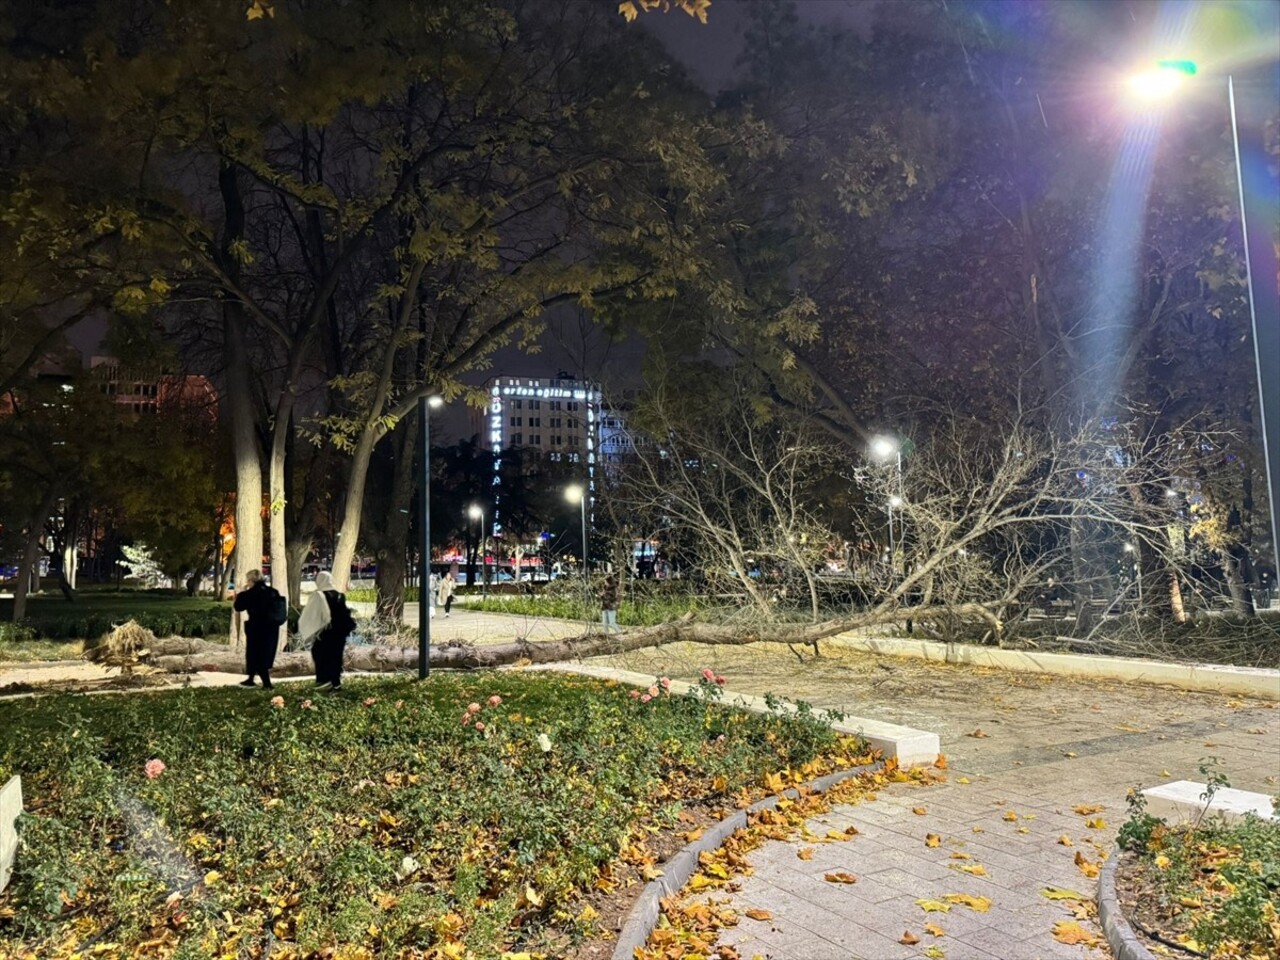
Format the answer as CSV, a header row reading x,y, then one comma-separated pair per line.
x,y
889,449
476,512
1160,84
425,406
577,493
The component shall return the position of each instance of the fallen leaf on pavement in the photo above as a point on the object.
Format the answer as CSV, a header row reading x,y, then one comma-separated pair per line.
x,y
1071,756
757,914
959,855
941,762
979,734
963,780
1087,866
1257,730
908,939
1087,808
1061,893
919,811
933,953
973,869
1024,829
1097,823
932,840
981,904
1065,840
977,830
1068,931
933,906
933,930
805,853
840,876
1010,816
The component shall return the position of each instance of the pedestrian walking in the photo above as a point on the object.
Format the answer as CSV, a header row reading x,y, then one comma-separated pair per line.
x,y
444,595
610,595
327,622
433,588
266,610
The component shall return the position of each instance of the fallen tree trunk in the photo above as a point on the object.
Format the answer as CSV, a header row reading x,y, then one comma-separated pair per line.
x,y
179,655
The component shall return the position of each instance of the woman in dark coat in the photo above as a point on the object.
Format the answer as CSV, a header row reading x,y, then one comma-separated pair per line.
x,y
327,620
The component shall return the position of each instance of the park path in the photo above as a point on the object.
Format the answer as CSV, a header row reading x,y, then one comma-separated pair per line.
x,y
1018,746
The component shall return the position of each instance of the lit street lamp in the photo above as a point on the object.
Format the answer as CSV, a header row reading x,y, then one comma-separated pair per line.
x,y
425,406
886,449
476,512
577,493
1256,190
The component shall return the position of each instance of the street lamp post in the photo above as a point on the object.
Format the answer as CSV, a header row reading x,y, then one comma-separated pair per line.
x,y
425,406
886,448
577,493
1252,164
476,512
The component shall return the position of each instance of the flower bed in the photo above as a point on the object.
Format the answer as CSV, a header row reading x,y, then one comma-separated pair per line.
x,y
466,817
1208,890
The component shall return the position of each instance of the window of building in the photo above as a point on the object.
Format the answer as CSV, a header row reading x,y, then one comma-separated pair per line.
x,y
517,403
535,404
535,421
517,439
536,439
575,441
557,440
515,422
555,421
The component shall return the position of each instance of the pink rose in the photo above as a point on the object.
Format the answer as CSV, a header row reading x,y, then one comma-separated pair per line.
x,y
645,698
473,708
720,681
306,705
495,700
277,702
666,683
633,694
653,691
480,726
154,768
708,674
466,719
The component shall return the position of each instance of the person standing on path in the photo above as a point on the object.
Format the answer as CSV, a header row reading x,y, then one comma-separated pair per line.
x,y
445,594
261,603
610,595
328,620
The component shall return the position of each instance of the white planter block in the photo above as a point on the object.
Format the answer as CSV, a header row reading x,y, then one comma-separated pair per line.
x,y
10,807
1180,802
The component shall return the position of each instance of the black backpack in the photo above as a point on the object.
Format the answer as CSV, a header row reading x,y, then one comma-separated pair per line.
x,y
340,619
278,612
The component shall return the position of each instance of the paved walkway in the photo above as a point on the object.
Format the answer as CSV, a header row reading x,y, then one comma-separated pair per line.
x,y
1046,746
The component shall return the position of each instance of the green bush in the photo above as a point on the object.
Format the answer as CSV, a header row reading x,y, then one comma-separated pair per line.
x,y
391,816
93,625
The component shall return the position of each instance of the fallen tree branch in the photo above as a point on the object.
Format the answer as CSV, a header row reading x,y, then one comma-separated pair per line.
x,y
179,655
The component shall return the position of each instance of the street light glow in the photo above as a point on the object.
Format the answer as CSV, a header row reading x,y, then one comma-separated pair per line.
x,y
474,512
574,493
884,447
895,501
435,401
1162,81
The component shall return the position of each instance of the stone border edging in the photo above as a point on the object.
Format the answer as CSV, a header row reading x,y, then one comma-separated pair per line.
x,y
644,913
909,746
1260,682
1123,941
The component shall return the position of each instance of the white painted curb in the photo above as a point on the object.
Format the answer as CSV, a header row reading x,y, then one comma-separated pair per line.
x,y
1206,677
911,747
1182,802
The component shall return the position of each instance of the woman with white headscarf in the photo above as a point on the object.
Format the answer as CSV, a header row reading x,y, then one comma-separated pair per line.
x,y
327,622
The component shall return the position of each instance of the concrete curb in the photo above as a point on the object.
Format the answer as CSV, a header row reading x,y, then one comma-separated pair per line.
x,y
1204,677
644,913
909,746
1123,941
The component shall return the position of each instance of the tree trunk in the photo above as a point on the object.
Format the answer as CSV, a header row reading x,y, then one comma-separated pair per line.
x,y
244,440
31,553
349,530
1233,567
389,517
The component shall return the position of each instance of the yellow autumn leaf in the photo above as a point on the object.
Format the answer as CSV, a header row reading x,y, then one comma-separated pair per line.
x,y
212,877
840,876
934,952
1162,862
963,780
932,840
755,913
628,10
919,811
908,939
1061,893
933,906
805,853
1009,816
973,869
1085,809
960,855
933,930
1070,932
1097,823
1065,841
981,904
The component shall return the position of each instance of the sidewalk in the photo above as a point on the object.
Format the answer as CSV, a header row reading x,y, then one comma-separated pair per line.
x,y
1031,748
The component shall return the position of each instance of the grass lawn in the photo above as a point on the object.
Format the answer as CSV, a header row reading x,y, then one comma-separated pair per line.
x,y
50,617
470,816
